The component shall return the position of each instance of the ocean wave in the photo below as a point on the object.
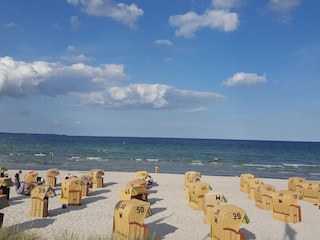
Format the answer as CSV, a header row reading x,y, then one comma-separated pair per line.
x,y
152,160
197,162
262,165
297,165
93,158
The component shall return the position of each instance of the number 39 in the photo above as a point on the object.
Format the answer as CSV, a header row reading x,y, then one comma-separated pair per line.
x,y
236,216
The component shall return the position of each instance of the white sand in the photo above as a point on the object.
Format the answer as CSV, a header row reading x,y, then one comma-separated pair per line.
x,y
172,217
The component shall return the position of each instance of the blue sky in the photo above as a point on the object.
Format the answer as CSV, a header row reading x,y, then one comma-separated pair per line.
x,y
222,69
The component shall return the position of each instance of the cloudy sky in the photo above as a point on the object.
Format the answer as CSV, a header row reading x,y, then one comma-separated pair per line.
x,y
222,69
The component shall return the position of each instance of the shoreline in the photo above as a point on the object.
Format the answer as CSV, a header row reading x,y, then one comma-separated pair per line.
x,y
172,217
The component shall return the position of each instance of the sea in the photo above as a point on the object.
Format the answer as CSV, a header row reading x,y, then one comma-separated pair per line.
x,y
265,159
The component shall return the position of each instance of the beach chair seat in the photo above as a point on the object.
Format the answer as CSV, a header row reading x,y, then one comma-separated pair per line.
x,y
51,178
226,222
190,177
3,201
311,191
97,178
136,189
252,185
285,206
263,196
40,200
211,200
87,183
197,190
244,182
31,177
71,191
128,220
295,184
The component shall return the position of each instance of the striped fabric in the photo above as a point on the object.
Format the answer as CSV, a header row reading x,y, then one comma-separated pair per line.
x,y
3,201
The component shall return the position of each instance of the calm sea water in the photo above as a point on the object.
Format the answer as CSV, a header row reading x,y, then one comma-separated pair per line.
x,y
277,159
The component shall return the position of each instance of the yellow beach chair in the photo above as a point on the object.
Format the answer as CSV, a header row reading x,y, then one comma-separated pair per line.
x,y
51,178
295,184
30,180
197,190
97,178
211,200
226,222
263,196
285,206
311,191
128,220
252,185
244,182
136,189
40,200
71,191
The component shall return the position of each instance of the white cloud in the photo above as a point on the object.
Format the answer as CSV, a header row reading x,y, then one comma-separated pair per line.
x,y
156,96
187,24
81,58
10,25
74,22
102,85
240,79
283,8
127,14
19,78
163,42
71,48
227,4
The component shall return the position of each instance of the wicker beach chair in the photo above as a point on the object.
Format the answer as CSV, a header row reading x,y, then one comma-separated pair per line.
x,y
136,189
285,206
263,196
211,200
226,222
97,178
252,185
128,220
71,191
311,191
40,200
197,190
244,182
51,178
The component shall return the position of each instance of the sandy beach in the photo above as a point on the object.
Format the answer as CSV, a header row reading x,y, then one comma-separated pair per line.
x,y
172,217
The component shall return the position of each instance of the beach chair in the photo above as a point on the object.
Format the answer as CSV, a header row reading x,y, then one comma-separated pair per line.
x,y
51,178
197,190
30,181
285,206
2,171
3,200
226,222
128,220
263,196
97,178
71,191
311,191
189,177
5,184
211,200
40,200
295,184
252,185
87,183
244,182
136,189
